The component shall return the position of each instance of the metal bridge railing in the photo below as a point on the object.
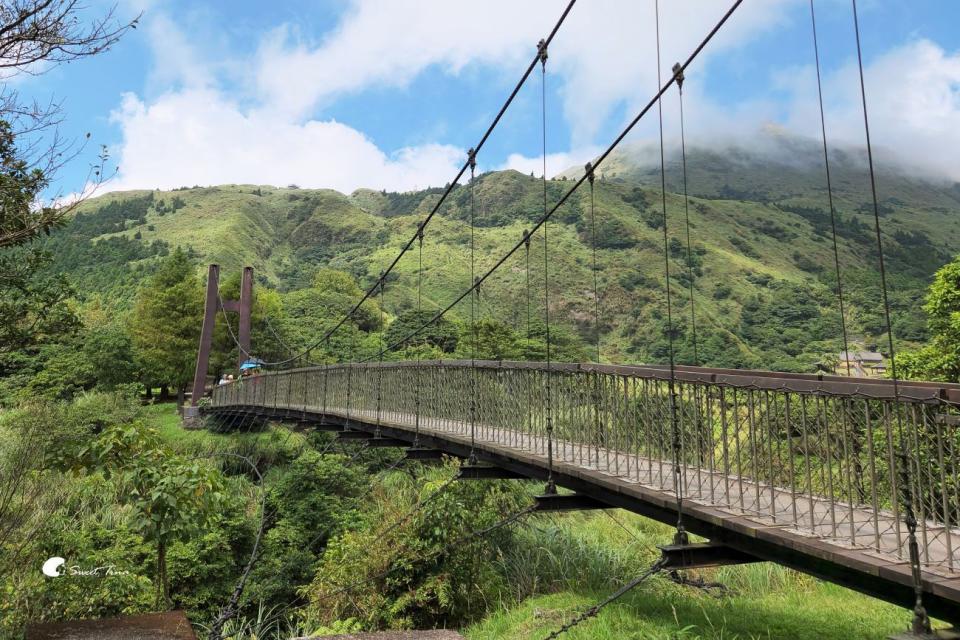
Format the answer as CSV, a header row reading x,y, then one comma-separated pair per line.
x,y
819,454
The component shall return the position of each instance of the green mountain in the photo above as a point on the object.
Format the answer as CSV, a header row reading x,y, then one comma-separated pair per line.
x,y
761,249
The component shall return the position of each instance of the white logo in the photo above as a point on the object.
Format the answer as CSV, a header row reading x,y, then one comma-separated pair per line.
x,y
52,566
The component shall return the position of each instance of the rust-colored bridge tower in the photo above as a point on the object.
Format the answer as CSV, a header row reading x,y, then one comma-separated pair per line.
x,y
213,306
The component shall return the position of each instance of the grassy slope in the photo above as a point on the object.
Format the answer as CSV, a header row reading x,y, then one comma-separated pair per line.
x,y
763,601
743,219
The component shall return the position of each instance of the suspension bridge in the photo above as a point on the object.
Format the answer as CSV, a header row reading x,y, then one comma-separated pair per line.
x,y
850,480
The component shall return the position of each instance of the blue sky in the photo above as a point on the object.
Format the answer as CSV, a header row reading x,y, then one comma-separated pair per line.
x,y
390,94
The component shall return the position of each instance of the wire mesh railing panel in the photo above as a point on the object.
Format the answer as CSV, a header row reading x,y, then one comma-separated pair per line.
x,y
782,450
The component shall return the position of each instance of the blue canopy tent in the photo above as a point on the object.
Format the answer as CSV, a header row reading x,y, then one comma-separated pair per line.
x,y
251,364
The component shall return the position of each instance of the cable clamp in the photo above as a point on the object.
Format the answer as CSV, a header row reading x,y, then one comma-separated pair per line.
x,y
526,238
420,227
542,52
678,75
588,170
472,159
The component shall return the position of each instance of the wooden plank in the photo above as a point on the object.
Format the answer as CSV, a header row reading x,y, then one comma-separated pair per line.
x,y
172,625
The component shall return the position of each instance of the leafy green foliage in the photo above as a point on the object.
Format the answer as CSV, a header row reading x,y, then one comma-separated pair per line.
x,y
90,530
313,499
165,325
940,359
203,567
20,184
55,512
426,585
443,334
33,303
311,312
173,498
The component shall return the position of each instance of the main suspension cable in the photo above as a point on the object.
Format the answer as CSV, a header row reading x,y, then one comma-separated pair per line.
x,y
578,183
446,193
833,215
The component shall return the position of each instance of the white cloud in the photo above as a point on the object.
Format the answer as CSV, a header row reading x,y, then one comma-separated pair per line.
x,y
604,52
913,98
388,42
197,136
177,60
608,57
556,162
603,59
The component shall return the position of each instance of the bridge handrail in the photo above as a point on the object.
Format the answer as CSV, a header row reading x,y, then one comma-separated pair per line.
x,y
869,388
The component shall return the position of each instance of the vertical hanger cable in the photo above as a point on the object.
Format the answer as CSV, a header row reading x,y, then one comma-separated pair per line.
x,y
920,624
833,213
551,485
680,537
473,313
678,74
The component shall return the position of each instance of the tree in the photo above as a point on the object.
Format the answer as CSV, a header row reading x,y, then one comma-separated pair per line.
x,y
311,312
108,350
314,499
33,303
165,324
174,497
414,576
36,36
940,358
565,346
495,340
442,334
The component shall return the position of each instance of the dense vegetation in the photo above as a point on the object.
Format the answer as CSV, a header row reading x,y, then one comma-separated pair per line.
x,y
107,311
343,547
760,263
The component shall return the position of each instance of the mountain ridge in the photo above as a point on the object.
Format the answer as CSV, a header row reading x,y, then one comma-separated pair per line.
x,y
761,239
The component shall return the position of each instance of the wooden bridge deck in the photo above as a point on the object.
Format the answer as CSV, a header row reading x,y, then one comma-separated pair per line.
x,y
746,515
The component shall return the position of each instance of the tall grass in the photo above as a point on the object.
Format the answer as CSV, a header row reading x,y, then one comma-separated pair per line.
x,y
564,564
